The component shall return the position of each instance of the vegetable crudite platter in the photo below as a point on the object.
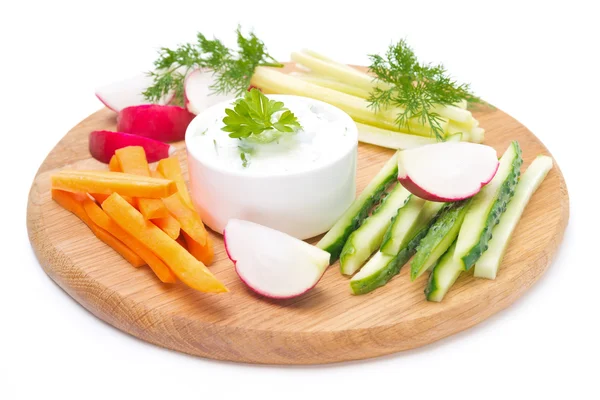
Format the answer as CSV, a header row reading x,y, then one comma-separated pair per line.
x,y
230,206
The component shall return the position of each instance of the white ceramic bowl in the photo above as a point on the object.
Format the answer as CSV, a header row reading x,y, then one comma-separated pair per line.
x,y
303,204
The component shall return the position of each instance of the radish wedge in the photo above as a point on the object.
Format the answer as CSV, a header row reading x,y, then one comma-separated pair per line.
x,y
127,93
448,171
487,266
198,94
163,123
272,263
103,145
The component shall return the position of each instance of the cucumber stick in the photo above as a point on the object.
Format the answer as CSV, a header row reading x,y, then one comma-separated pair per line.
x,y
367,238
487,206
439,238
382,267
403,223
406,225
334,240
487,266
443,276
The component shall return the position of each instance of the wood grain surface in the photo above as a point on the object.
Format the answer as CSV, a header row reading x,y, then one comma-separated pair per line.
x,y
327,324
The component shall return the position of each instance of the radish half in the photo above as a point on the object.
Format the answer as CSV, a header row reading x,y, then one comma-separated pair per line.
x,y
163,123
198,96
103,145
272,263
127,93
448,171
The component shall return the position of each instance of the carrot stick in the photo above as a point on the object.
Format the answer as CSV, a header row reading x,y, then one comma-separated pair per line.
x,y
103,182
169,225
72,202
204,254
101,197
101,219
132,160
191,271
169,168
114,165
182,242
188,218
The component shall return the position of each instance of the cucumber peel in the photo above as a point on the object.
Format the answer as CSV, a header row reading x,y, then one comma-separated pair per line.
x,y
439,237
382,267
334,240
443,276
487,206
398,233
487,266
367,238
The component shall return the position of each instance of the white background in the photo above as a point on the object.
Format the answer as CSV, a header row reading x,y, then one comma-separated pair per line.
x,y
538,62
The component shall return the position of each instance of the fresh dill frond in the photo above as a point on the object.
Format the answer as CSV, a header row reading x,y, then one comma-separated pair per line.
x,y
232,68
414,87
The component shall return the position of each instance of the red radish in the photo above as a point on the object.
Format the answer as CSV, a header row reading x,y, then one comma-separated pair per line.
x,y
164,123
198,95
272,263
127,93
103,145
448,171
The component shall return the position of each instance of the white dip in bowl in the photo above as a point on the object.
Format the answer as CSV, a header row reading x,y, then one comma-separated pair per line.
x,y
300,184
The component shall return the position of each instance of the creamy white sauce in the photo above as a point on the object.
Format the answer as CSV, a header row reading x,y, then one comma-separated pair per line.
x,y
325,137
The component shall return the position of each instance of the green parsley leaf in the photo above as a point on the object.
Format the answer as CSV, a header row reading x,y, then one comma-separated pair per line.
x,y
252,117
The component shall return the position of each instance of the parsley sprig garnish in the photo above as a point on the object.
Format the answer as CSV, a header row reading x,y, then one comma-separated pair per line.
x,y
233,68
253,117
414,87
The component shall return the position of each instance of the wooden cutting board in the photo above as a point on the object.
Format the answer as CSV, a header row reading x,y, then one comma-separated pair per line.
x,y
327,324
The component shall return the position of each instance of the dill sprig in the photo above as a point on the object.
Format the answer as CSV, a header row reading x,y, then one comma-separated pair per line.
x,y
414,87
233,68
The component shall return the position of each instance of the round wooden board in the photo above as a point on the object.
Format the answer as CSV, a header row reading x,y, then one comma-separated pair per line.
x,y
327,324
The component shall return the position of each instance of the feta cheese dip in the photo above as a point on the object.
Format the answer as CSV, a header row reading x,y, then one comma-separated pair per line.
x,y
300,183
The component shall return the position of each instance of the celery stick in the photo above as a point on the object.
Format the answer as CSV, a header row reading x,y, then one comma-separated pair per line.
x,y
462,104
477,135
335,85
353,77
325,58
274,81
349,76
454,129
390,139
454,113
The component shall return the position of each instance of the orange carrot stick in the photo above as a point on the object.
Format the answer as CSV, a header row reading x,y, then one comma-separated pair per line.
x,y
72,202
103,182
182,242
188,218
169,225
101,197
169,168
114,165
191,271
132,160
204,254
101,219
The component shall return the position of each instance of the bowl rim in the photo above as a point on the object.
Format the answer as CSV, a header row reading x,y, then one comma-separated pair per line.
x,y
350,125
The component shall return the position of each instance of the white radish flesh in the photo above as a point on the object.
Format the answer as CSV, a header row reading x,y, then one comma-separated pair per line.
x,y
448,171
272,263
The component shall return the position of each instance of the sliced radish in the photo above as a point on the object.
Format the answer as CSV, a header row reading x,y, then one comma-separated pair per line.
x,y
127,93
198,95
103,145
164,123
272,263
448,171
